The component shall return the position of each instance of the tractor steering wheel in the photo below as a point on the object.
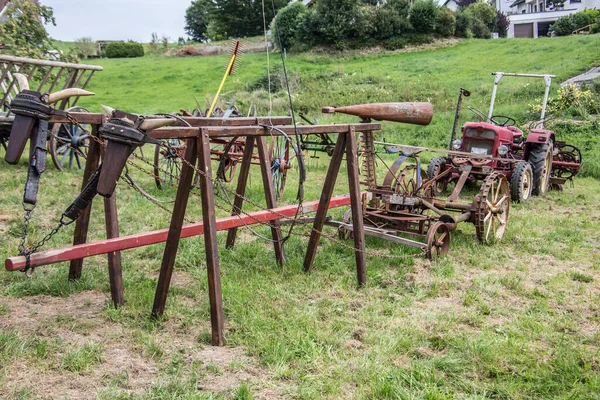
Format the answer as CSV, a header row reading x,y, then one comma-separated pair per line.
x,y
505,122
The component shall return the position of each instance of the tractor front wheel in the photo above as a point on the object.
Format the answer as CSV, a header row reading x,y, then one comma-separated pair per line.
x,y
540,158
521,182
435,167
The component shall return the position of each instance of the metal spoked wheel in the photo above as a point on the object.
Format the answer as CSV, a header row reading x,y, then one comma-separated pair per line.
x,y
438,240
280,163
167,161
491,207
69,143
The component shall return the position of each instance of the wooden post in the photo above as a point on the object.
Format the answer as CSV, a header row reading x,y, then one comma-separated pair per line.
x,y
356,206
115,273
81,225
210,240
181,200
330,178
241,188
267,178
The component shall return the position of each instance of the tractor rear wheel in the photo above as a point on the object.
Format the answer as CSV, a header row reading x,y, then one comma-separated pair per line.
x,y
521,182
435,167
540,158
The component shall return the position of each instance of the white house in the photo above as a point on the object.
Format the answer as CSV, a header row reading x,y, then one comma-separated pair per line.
x,y
451,4
532,18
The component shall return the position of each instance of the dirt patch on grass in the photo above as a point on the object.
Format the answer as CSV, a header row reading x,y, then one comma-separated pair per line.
x,y
126,363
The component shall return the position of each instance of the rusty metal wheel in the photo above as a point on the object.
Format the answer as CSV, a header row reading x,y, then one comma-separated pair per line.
x,y
437,241
167,161
69,143
491,207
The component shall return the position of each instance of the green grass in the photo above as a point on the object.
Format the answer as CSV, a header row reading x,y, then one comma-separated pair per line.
x,y
516,320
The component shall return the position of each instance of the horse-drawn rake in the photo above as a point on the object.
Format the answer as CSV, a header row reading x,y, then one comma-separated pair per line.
x,y
121,133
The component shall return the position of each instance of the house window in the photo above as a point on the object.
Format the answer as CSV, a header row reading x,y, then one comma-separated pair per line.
x,y
575,1
542,7
535,8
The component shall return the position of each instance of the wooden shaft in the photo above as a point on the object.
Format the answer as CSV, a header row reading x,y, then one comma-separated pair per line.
x,y
159,236
267,178
356,206
241,188
330,178
82,223
181,200
210,241
115,273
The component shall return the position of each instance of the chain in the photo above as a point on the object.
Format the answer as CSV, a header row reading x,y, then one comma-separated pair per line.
x,y
27,252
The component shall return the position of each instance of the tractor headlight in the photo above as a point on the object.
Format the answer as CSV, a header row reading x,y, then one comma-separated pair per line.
x,y
457,144
502,150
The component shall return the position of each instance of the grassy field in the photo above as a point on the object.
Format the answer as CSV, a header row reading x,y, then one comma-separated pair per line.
x,y
515,320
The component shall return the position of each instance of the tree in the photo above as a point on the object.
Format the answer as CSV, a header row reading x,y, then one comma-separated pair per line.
x,y
23,30
423,16
86,47
197,17
241,18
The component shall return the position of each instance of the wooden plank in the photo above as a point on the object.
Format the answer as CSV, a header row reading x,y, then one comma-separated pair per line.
x,y
115,274
211,247
326,193
147,238
241,188
82,223
174,233
231,131
356,207
267,179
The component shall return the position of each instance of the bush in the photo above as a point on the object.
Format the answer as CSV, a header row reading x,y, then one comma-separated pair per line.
x,y
481,31
423,15
308,31
464,21
446,22
284,25
338,20
565,26
124,49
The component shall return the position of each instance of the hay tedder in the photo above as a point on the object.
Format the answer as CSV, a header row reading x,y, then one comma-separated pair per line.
x,y
532,162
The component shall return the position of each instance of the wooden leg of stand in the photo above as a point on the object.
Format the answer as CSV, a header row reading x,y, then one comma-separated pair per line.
x,y
267,178
81,225
356,205
210,242
330,178
241,188
115,273
181,200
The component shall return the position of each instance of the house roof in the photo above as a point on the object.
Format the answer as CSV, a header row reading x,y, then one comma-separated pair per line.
x,y
448,1
516,3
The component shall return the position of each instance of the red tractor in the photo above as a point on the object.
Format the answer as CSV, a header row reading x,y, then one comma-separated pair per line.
x,y
531,163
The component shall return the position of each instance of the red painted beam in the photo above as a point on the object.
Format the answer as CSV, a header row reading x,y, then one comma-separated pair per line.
x,y
147,238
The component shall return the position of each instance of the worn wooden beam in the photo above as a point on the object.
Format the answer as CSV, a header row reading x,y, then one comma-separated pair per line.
x,y
211,247
181,200
326,193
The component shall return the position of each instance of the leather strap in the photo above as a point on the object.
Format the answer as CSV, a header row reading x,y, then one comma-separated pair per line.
x,y
37,161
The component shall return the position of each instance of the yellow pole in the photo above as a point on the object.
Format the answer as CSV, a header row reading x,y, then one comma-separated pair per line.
x,y
227,72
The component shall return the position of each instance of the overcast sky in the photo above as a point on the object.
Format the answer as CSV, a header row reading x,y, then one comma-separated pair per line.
x,y
117,19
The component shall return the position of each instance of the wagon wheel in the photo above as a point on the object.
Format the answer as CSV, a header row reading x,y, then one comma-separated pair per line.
x,y
69,143
405,181
167,161
437,241
491,206
279,149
